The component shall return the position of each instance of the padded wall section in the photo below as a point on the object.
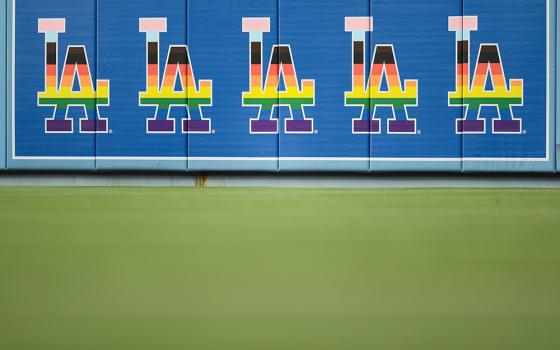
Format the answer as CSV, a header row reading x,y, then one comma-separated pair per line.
x,y
143,49
509,123
322,44
3,82
279,85
231,49
53,121
414,68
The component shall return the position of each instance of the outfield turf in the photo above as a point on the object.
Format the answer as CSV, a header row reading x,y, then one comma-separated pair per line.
x,y
244,269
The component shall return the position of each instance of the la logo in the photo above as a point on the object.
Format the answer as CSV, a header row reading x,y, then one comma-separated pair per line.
x,y
475,96
165,96
63,96
268,97
371,95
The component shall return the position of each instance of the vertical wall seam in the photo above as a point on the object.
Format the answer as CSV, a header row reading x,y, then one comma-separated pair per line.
x,y
462,111
187,137
279,135
367,63
552,70
4,121
96,76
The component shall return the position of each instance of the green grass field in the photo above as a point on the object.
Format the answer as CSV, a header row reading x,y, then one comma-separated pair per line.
x,y
244,269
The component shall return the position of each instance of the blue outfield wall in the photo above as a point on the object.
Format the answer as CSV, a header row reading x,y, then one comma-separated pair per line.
x,y
280,85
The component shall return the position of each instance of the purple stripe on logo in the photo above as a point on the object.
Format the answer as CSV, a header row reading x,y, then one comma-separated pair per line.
x,y
268,126
404,126
59,125
470,125
367,126
299,125
196,126
512,126
93,125
161,125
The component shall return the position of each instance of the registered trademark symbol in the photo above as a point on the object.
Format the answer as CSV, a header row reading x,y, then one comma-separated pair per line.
x,y
110,131
315,131
419,132
213,131
524,132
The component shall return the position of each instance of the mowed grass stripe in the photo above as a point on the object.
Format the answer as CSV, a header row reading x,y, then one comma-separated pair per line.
x,y
183,268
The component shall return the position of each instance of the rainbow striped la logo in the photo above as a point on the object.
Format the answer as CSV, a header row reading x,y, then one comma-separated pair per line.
x,y
371,95
281,62
66,95
477,95
165,97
